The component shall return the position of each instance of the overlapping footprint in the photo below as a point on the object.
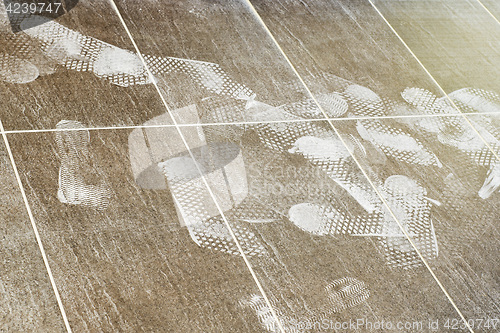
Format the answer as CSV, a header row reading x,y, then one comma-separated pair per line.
x,y
80,181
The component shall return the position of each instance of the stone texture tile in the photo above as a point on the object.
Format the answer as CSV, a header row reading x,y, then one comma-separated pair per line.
x,y
120,257
78,66
337,44
457,41
334,253
28,302
212,49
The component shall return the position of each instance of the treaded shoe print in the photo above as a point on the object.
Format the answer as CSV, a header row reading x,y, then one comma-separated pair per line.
x,y
408,202
457,133
159,159
15,70
76,51
259,306
345,293
80,182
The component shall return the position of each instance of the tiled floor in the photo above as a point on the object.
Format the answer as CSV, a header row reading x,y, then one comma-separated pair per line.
x,y
262,166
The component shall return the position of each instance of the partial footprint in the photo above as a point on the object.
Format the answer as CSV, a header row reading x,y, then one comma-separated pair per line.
x,y
79,181
346,293
15,70
476,100
396,143
409,204
269,323
331,156
76,51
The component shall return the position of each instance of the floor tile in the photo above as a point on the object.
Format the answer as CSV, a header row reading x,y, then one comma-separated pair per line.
x,y
121,259
79,66
457,41
346,47
492,6
270,217
327,237
439,178
217,49
28,301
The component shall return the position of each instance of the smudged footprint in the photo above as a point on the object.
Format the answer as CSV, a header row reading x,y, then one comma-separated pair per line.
x,y
409,203
331,156
483,102
15,70
330,219
455,132
392,141
79,181
313,218
259,305
76,51
195,205
346,293
396,143
476,100
364,102
491,183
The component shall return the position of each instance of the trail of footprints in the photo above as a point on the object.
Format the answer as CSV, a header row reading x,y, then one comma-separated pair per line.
x,y
159,160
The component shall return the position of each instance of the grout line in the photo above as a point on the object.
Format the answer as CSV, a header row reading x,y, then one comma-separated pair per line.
x,y
359,165
151,77
434,80
35,230
489,12
242,123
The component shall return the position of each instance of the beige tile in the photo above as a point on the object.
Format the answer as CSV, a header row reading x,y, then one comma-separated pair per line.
x,y
337,44
120,257
74,67
456,196
324,229
457,41
492,6
28,301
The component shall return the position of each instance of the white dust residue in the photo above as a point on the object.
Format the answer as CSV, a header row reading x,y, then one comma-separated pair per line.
x,y
362,93
180,168
345,293
333,104
112,60
14,70
328,149
491,183
398,141
474,101
309,217
208,76
76,159
399,144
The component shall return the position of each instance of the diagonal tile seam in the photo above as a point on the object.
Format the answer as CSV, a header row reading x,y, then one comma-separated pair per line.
x,y
241,123
432,78
489,12
233,236
35,230
443,289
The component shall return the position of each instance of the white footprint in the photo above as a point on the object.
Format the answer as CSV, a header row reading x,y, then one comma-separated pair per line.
x,y
15,70
396,143
346,293
76,51
457,133
79,182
